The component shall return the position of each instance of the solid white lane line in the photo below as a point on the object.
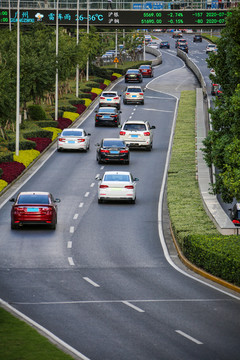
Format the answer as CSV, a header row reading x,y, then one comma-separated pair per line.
x,y
71,229
69,244
75,217
87,194
92,184
71,262
91,282
133,306
167,111
81,204
189,337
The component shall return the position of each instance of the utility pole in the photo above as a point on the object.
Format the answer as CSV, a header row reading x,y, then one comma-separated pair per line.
x,y
56,85
18,80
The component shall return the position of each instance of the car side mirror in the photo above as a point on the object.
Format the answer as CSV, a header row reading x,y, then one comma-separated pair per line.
x,y
12,200
153,127
135,179
95,111
98,178
230,209
97,144
89,134
59,134
57,200
120,112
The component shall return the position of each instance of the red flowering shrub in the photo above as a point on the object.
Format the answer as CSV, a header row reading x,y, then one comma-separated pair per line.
x,y
113,78
63,123
11,170
80,108
102,86
41,143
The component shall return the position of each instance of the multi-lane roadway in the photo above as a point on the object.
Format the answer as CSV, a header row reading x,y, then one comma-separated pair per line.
x,y
103,281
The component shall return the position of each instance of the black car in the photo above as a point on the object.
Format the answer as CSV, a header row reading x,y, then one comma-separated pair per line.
x,y
183,47
112,149
197,38
133,75
164,44
107,116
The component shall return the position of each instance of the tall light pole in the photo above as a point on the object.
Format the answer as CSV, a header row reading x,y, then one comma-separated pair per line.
x,y
87,68
77,70
9,14
56,85
18,81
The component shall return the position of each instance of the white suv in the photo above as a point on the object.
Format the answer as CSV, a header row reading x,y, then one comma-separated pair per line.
x,y
137,133
110,98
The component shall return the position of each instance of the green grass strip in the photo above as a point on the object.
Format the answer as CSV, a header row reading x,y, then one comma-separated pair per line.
x,y
19,341
187,214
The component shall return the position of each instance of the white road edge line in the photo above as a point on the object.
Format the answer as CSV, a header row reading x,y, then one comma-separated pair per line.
x,y
133,306
91,282
69,244
43,330
189,337
71,262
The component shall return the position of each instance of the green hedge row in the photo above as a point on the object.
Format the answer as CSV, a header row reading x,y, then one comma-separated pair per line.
x,y
196,234
6,157
219,255
23,145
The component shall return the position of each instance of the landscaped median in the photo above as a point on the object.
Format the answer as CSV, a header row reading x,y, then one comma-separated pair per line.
x,y
195,233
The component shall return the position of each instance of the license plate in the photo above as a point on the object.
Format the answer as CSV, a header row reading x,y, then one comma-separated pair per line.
x,y
71,142
134,95
105,117
114,152
134,136
109,99
132,76
32,209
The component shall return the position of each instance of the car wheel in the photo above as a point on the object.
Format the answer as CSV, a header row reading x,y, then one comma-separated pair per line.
x,y
143,102
59,150
14,226
100,201
126,162
125,102
99,161
149,148
53,226
133,201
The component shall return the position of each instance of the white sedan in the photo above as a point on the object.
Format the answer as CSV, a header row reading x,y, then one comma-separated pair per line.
x,y
211,48
117,185
73,139
110,98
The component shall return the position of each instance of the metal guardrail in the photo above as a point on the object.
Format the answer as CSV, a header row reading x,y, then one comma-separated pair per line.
x,y
121,4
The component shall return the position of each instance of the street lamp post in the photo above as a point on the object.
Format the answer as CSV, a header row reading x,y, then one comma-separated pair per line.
x,y
77,70
87,67
18,81
56,85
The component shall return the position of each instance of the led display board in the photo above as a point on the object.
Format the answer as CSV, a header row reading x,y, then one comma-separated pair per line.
x,y
121,18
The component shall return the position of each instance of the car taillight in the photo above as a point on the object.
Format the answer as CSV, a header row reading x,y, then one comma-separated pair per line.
x,y
236,221
122,133
147,133
140,93
127,93
101,97
104,151
61,139
123,151
116,98
114,116
80,140
129,187
103,186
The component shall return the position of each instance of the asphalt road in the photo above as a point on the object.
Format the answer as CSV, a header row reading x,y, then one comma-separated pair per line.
x,y
101,281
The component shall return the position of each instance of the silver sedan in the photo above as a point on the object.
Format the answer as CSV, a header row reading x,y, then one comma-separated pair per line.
x,y
73,139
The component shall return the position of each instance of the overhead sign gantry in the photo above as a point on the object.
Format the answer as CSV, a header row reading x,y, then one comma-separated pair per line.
x,y
120,18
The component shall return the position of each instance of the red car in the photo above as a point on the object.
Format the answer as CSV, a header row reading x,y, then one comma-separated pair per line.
x,y
146,70
34,207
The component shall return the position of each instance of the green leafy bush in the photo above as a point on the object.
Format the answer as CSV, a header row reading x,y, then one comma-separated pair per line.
x,y
38,133
84,95
60,114
36,112
68,108
218,255
47,123
23,145
6,157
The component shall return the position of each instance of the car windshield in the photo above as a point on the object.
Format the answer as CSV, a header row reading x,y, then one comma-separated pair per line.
x,y
212,45
72,133
33,199
113,143
109,94
137,127
132,71
106,111
117,177
164,42
134,90
144,67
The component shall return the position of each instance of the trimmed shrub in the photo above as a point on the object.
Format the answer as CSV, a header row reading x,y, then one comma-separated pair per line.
x,y
77,101
107,82
219,255
102,86
87,102
41,143
55,131
96,91
26,156
36,112
6,157
38,133
98,80
70,115
11,170
81,108
3,184
84,95
23,145
67,108
63,123
60,113
47,123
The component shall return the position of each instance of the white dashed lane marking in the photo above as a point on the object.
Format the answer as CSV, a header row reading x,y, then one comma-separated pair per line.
x,y
71,262
75,217
71,229
133,306
92,184
189,337
87,194
91,282
69,244
81,204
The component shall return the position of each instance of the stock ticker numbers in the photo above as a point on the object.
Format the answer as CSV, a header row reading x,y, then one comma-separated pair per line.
x,y
121,18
